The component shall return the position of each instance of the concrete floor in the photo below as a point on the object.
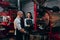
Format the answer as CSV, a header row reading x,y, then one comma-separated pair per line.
x,y
8,39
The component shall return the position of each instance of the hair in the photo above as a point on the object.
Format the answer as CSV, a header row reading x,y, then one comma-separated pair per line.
x,y
30,14
19,12
41,12
24,14
56,9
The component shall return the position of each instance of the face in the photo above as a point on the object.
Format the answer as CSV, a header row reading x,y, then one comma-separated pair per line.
x,y
21,15
28,15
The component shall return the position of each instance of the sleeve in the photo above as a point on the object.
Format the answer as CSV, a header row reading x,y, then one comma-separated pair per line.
x,y
17,24
14,27
14,24
25,22
32,21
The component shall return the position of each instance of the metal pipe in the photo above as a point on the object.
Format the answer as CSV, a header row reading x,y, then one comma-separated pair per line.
x,y
18,4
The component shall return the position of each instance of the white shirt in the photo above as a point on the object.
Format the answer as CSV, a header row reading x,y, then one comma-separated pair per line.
x,y
17,23
25,21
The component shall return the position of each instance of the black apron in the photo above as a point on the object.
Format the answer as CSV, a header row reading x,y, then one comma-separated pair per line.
x,y
20,34
29,29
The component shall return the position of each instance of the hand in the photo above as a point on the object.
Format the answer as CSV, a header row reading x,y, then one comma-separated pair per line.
x,y
22,30
38,25
28,25
8,24
40,18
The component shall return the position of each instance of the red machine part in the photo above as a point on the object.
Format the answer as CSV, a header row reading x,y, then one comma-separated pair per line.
x,y
35,15
0,0
11,12
4,3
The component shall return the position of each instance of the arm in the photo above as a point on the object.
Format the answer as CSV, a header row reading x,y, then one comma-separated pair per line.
x,y
15,25
19,28
32,21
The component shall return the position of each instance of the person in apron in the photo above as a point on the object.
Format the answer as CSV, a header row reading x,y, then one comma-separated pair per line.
x,y
18,27
28,24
